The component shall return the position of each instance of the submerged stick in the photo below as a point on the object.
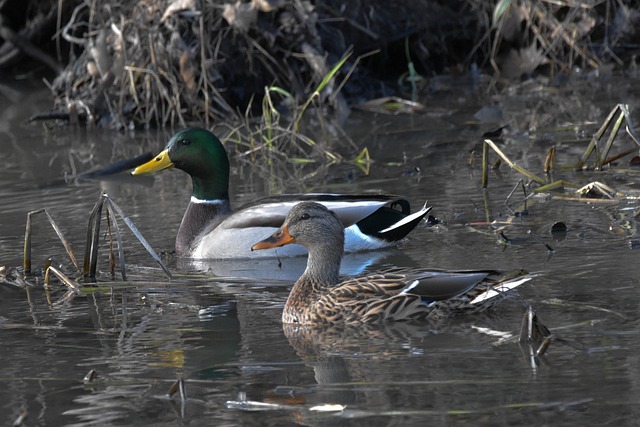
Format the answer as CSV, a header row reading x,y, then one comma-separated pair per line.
x,y
539,240
531,329
178,386
485,201
520,183
619,156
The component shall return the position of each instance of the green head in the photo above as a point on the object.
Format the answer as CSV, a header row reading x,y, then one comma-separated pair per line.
x,y
199,153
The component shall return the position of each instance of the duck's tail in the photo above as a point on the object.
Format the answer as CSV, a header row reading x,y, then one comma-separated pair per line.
x,y
485,294
490,295
391,225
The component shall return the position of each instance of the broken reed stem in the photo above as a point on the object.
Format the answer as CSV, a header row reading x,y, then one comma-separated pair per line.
x,y
520,183
112,258
609,144
555,185
60,275
93,235
26,264
629,127
178,386
485,165
138,235
487,211
26,252
514,166
594,141
64,241
92,242
550,160
116,228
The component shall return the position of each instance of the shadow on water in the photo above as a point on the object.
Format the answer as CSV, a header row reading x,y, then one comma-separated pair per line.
x,y
223,334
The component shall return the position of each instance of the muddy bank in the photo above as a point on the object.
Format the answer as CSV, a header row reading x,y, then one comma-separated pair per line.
x,y
168,63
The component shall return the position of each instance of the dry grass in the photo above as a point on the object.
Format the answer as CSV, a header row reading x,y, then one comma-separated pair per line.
x,y
161,63
523,35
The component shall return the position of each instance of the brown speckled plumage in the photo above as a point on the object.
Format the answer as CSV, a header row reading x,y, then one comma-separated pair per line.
x,y
318,297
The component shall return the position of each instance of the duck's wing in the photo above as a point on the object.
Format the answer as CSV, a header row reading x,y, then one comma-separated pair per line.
x,y
271,211
393,296
370,286
436,285
430,285
487,296
367,301
487,293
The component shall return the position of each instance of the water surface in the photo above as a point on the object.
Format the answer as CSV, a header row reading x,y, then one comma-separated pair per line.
x,y
223,336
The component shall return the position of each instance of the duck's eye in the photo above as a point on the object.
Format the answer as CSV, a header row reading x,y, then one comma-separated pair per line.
x,y
185,142
305,216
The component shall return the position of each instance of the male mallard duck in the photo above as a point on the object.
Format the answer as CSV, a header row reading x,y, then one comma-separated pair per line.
x,y
210,229
318,297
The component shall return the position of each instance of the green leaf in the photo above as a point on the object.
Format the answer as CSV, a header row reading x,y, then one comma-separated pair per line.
x,y
363,160
501,8
299,160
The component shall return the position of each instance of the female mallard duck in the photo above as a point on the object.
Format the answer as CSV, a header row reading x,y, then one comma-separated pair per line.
x,y
210,229
319,298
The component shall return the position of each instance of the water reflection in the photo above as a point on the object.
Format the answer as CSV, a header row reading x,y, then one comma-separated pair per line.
x,y
286,269
351,365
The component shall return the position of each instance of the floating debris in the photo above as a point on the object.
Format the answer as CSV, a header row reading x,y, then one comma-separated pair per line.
x,y
19,421
251,405
90,377
502,336
328,408
180,387
390,105
534,333
597,189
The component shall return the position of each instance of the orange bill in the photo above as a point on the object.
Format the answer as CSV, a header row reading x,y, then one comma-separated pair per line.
x,y
279,238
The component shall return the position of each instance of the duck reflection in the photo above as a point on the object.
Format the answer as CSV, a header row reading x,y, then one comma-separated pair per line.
x,y
283,269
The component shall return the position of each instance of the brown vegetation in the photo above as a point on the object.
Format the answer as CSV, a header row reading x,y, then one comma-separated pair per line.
x,y
170,62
